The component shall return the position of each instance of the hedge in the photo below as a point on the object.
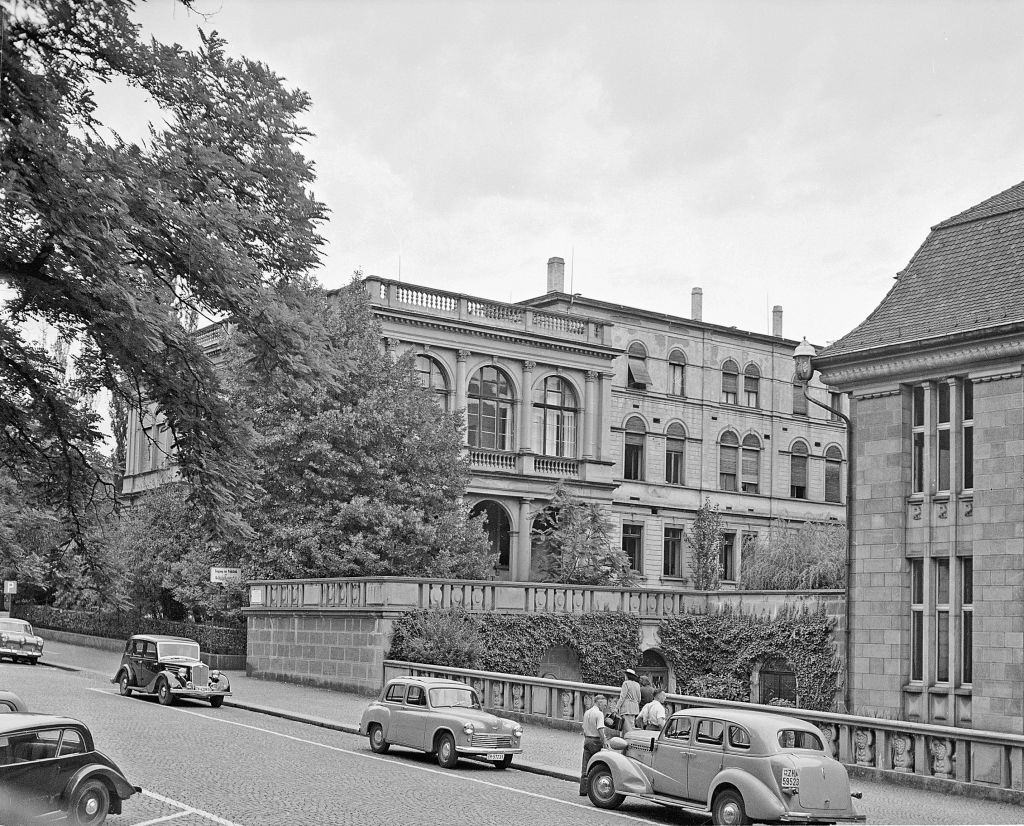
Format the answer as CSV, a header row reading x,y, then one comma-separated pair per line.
x,y
213,639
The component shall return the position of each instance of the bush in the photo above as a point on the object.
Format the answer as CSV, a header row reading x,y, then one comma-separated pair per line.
x,y
213,639
717,687
790,557
450,638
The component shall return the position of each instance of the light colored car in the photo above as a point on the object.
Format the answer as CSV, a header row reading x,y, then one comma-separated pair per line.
x,y
169,667
441,717
735,765
18,641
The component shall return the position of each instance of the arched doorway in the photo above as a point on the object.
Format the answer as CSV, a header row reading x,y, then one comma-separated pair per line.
x,y
498,528
654,666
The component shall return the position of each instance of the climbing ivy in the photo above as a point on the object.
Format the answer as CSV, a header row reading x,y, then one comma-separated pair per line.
x,y
714,654
606,643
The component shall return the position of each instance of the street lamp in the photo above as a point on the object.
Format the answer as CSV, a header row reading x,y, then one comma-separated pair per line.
x,y
804,355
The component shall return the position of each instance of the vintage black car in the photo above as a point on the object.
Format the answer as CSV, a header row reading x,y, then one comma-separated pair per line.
x,y
169,667
50,772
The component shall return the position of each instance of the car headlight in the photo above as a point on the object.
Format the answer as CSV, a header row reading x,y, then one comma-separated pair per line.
x,y
517,731
4,638
468,728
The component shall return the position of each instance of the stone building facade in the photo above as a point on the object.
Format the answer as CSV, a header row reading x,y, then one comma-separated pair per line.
x,y
937,401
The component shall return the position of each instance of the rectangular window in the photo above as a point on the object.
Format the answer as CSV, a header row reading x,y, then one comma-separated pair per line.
x,y
799,400
919,406
634,458
632,544
673,552
675,452
917,440
942,443
916,619
728,458
833,481
750,390
943,459
798,476
967,435
678,379
941,620
726,560
835,400
967,620
751,470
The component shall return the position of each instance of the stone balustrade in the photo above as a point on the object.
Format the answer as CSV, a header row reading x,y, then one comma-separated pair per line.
x,y
988,761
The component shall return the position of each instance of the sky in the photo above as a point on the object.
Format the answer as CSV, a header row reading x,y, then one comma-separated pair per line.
x,y
773,152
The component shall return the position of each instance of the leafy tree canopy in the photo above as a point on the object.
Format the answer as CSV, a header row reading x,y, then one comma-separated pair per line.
x,y
796,557
705,540
113,242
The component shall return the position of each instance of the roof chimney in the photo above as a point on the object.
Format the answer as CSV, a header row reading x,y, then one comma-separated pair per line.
x,y
777,321
556,275
697,304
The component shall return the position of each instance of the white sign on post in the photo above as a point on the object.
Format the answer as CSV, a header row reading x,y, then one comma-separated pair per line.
x,y
224,575
10,586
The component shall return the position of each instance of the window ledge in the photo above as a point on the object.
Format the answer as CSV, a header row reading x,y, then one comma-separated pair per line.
x,y
964,690
913,688
939,688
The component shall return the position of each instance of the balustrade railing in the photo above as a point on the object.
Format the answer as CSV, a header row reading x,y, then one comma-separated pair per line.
x,y
492,460
984,758
556,467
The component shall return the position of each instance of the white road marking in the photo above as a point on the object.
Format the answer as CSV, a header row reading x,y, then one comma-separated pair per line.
x,y
163,819
365,756
189,810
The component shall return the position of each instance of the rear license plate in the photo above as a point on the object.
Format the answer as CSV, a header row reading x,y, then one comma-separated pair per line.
x,y
790,779
494,755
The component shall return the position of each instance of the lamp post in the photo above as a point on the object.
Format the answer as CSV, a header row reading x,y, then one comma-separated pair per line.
x,y
804,358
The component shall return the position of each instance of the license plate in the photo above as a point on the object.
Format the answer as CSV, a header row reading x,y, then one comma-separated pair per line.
x,y
790,779
202,688
494,755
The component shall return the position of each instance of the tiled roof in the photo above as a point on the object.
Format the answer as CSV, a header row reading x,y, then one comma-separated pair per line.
x,y
968,275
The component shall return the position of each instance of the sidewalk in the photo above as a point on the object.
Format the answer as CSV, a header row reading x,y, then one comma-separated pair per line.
x,y
546,751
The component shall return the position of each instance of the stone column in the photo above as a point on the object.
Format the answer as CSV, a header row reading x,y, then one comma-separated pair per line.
x,y
591,415
461,385
604,392
522,553
525,429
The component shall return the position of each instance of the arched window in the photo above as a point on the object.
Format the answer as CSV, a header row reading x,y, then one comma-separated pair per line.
x,y
432,378
497,528
751,468
751,385
675,454
633,453
730,382
637,377
798,471
490,410
677,373
799,399
555,412
728,460
777,682
654,666
833,474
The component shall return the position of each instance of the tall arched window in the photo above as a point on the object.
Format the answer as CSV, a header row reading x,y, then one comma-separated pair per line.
x,y
490,410
432,378
798,471
751,467
751,385
555,416
728,460
799,399
497,528
677,373
633,452
833,474
675,454
637,377
730,382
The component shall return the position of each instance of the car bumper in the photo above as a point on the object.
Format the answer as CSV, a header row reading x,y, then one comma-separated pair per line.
x,y
11,651
798,817
198,695
473,751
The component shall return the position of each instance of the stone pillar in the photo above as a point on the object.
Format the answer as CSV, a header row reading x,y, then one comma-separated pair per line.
x,y
525,429
591,415
461,386
522,551
604,393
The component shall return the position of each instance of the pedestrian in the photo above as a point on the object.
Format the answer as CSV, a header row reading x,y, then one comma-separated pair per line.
x,y
646,690
595,736
654,714
629,701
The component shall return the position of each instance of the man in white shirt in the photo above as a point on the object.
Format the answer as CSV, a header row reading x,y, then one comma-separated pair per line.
x,y
594,737
654,714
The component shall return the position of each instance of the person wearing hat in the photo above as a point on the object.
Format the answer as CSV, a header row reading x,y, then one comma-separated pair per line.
x,y
629,701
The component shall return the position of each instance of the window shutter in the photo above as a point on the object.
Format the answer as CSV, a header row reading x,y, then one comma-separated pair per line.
x,y
798,471
831,482
728,460
638,370
730,382
750,464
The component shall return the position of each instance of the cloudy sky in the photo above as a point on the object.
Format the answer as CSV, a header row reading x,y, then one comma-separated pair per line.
x,y
782,152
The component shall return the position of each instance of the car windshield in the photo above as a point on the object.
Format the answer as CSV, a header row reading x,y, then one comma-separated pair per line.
x,y
178,649
453,698
792,739
17,626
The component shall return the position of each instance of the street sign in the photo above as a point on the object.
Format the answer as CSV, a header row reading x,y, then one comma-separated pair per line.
x,y
10,586
225,575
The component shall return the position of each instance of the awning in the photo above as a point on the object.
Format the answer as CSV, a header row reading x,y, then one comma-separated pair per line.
x,y
638,372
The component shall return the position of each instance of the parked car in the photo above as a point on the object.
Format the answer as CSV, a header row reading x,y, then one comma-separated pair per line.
x,y
9,701
169,667
19,642
51,772
734,765
440,717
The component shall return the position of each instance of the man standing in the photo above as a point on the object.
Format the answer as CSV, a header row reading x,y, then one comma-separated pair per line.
x,y
654,713
629,701
646,690
594,737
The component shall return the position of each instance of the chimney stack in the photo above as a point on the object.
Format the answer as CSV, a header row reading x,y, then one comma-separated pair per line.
x,y
556,275
697,304
777,321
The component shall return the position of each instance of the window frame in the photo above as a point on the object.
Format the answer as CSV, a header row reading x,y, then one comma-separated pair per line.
x,y
966,635
799,454
440,390
677,373
556,422
732,445
634,531
918,423
675,454
966,447
942,618
916,620
834,467
672,550
634,450
750,483
730,382
752,386
504,416
727,557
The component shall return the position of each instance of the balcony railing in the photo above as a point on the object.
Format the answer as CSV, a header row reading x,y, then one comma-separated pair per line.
x,y
492,460
547,466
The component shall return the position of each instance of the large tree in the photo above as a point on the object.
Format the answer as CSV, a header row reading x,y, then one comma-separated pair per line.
x,y
112,242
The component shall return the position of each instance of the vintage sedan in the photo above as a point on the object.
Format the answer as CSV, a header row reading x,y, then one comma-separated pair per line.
x,y
18,642
169,667
50,772
735,765
440,717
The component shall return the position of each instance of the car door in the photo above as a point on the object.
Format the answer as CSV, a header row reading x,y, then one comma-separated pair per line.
x,y
706,755
31,776
71,756
414,717
671,758
148,666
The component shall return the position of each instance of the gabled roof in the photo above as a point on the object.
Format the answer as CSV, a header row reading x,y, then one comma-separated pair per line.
x,y
968,275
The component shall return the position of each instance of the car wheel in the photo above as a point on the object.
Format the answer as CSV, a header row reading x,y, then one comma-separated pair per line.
x,y
504,763
163,693
447,756
378,744
89,804
728,810
217,701
33,660
124,685
602,788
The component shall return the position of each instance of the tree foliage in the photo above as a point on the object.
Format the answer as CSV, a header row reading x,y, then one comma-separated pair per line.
x,y
705,540
111,242
576,543
793,557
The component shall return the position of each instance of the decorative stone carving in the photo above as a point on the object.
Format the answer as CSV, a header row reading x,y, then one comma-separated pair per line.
x,y
462,355
567,705
591,375
864,747
529,365
478,686
942,758
828,738
903,753
517,697
498,695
